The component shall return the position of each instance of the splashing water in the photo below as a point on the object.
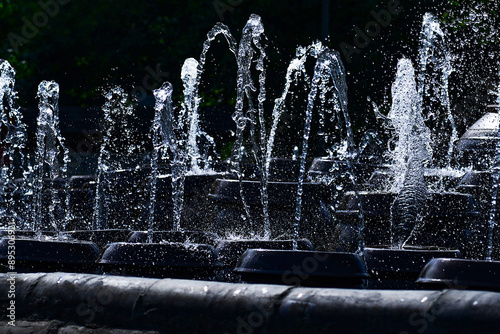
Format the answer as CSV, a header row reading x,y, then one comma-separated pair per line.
x,y
494,190
191,77
411,153
328,66
165,143
159,128
296,67
113,155
180,136
13,135
253,32
51,159
434,56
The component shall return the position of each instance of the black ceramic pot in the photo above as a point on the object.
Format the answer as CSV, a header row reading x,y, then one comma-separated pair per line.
x,y
447,222
199,213
17,233
316,221
479,185
280,169
81,203
129,195
194,237
305,268
100,237
461,274
25,233
399,268
160,260
82,191
33,255
126,191
284,170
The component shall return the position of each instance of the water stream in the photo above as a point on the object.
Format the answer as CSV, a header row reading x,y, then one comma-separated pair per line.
x,y
410,155
51,162
251,35
12,156
435,57
114,150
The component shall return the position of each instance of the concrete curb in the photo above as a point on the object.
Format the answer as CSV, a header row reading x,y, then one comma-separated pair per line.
x,y
185,306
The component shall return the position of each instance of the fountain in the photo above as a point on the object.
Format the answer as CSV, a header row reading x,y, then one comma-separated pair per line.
x,y
412,213
165,253
12,156
474,274
112,218
51,202
261,265
271,200
282,223
256,211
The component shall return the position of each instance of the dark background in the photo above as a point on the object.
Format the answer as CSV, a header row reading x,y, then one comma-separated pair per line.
x,y
87,46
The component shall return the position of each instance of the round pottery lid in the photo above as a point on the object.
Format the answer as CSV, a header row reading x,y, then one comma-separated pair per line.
x,y
312,263
159,254
460,273
230,250
110,234
403,260
51,250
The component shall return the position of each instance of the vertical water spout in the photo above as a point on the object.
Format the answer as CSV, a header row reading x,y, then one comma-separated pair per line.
x,y
177,138
410,155
252,33
296,67
189,74
168,141
51,158
163,141
328,67
13,143
434,56
191,77
112,156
